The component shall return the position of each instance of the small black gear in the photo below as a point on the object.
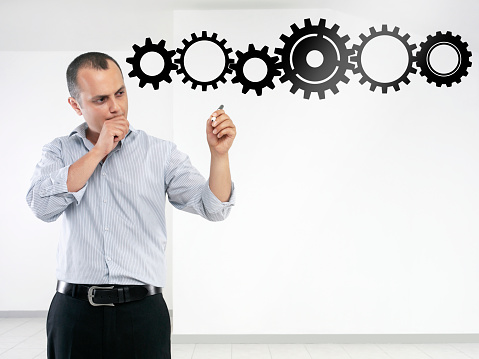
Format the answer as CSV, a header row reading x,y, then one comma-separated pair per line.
x,y
181,60
159,48
462,53
314,38
272,64
358,59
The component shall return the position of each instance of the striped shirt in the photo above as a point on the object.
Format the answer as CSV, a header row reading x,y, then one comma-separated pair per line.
x,y
114,228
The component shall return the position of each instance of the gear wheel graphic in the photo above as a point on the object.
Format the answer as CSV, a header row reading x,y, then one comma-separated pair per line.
x,y
272,64
181,60
358,59
159,48
313,38
443,78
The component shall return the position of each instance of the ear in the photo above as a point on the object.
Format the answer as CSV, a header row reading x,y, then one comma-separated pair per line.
x,y
74,104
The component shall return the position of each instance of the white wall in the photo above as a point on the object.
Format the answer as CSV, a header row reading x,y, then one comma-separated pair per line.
x,y
355,214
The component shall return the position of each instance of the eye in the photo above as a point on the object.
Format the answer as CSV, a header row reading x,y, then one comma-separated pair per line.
x,y
120,93
100,100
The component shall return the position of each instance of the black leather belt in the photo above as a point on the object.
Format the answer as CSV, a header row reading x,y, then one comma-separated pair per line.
x,y
105,294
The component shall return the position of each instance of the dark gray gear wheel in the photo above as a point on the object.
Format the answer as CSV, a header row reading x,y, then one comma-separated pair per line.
x,y
188,77
428,71
272,64
159,48
358,59
315,38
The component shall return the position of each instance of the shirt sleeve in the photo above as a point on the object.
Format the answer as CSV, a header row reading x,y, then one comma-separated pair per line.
x,y
48,194
189,191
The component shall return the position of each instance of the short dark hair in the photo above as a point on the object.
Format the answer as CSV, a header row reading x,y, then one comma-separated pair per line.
x,y
94,60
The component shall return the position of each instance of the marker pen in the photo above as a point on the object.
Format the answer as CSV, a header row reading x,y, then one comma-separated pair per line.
x,y
214,118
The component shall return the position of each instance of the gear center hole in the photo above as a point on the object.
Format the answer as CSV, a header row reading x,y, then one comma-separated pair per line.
x,y
385,59
444,59
315,58
152,63
204,61
255,69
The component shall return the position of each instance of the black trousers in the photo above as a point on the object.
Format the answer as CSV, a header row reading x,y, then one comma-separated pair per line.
x,y
139,329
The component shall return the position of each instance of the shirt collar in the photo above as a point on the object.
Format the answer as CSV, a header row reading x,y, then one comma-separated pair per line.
x,y
81,131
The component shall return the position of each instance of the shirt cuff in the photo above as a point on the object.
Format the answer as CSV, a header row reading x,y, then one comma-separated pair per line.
x,y
212,203
58,185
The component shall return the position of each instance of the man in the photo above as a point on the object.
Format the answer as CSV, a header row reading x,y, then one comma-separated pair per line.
x,y
110,182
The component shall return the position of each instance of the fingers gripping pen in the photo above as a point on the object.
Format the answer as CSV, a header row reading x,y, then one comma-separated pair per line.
x,y
213,119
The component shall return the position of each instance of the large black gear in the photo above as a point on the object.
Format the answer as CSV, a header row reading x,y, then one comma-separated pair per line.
x,y
181,60
272,64
358,59
443,39
314,38
159,48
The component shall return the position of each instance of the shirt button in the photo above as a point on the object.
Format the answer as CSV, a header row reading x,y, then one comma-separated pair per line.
x,y
103,174
104,201
108,259
106,228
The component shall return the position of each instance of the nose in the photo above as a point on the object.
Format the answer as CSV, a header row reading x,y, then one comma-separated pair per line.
x,y
114,107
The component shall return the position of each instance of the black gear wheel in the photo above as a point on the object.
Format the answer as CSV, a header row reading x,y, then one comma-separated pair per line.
x,y
181,60
358,59
428,71
272,64
315,38
159,48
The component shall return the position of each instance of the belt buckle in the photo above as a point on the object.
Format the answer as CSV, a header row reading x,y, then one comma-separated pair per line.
x,y
90,296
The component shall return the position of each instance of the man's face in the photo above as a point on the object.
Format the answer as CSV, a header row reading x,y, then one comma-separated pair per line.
x,y
103,96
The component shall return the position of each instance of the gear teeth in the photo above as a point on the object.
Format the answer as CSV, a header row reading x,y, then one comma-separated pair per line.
x,y
272,66
221,44
357,59
160,49
426,70
311,79
294,88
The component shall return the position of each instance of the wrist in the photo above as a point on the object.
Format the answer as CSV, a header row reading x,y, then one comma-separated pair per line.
x,y
97,154
219,156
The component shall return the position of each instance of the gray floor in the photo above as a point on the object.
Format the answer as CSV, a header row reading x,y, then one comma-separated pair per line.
x,y
25,338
